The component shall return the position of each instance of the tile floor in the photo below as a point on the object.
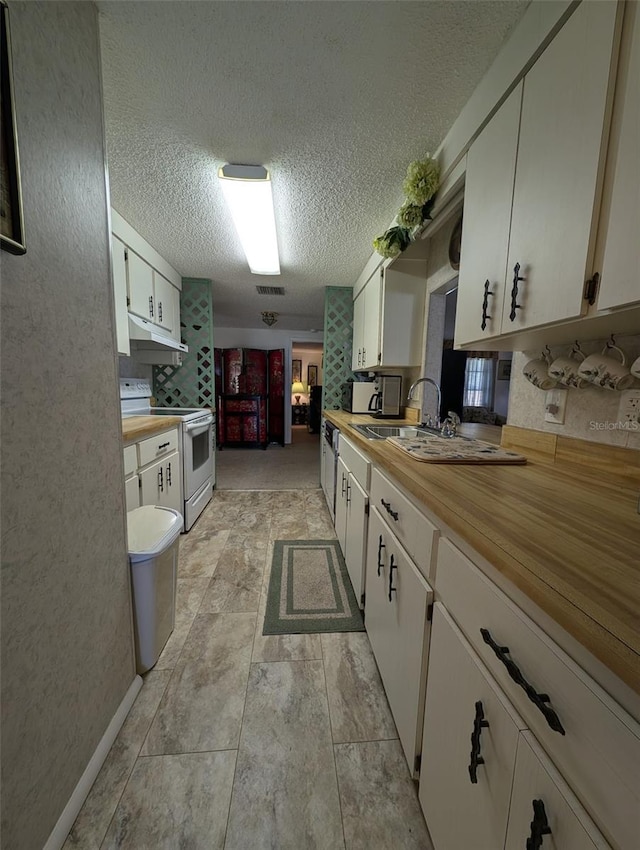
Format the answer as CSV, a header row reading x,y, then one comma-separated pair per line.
x,y
240,741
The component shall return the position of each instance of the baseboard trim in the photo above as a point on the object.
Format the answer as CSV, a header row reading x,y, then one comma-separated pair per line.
x,y
80,792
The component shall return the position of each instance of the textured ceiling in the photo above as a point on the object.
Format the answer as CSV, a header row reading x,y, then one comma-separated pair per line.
x,y
335,98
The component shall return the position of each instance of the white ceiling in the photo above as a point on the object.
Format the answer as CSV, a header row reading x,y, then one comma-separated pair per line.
x,y
334,98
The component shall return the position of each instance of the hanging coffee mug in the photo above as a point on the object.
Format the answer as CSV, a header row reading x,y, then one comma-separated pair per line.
x,y
565,370
603,370
537,373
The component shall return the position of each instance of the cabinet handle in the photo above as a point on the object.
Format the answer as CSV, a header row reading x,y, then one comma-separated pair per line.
x,y
151,306
359,357
381,546
387,507
539,700
160,480
348,492
392,589
485,304
169,474
364,355
479,723
343,484
160,310
163,445
514,292
539,826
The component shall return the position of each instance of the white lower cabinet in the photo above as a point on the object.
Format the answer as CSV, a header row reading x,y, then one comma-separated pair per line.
x,y
161,483
132,492
352,510
396,621
544,812
468,748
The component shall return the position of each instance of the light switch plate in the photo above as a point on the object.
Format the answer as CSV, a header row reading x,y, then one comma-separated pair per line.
x,y
555,405
629,408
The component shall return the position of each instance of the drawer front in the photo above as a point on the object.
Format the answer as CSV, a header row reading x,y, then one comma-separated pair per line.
x,y
396,622
157,446
416,533
356,462
599,752
130,460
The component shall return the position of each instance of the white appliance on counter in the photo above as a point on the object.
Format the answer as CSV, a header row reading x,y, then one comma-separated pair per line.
x,y
196,439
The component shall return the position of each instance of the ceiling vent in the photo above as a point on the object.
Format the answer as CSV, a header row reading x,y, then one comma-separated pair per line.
x,y
270,290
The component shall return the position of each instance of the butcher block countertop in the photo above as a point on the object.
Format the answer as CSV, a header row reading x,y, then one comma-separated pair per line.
x,y
138,427
564,528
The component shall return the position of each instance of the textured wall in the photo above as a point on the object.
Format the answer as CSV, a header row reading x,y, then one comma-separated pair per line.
x,y
67,656
592,414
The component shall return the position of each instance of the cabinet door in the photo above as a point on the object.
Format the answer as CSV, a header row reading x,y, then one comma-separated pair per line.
x,y
488,195
356,535
540,796
371,336
161,483
164,301
559,170
461,697
140,287
119,267
323,450
396,622
619,259
132,492
342,481
401,315
329,479
358,331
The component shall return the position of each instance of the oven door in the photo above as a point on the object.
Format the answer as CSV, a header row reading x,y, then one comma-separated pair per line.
x,y
197,446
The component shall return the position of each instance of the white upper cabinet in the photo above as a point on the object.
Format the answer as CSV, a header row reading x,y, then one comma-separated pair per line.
x,y
140,287
618,256
388,316
546,147
559,170
119,267
491,166
165,295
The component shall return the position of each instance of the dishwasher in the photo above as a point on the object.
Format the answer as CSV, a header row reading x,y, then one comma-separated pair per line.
x,y
330,436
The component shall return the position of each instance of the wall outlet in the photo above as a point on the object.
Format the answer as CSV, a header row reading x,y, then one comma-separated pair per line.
x,y
555,405
629,408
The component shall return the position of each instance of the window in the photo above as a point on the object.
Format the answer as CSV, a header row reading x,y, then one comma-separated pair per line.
x,y
478,382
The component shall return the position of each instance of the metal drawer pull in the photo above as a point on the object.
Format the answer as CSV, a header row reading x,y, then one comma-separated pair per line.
x,y
514,292
539,826
348,492
539,700
479,723
485,304
387,507
163,446
392,589
151,306
343,484
381,546
169,474
160,481
160,310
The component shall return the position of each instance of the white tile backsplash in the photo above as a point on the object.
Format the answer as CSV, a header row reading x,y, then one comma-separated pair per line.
x,y
592,413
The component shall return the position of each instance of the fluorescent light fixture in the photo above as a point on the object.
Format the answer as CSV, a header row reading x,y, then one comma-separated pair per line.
x,y
247,191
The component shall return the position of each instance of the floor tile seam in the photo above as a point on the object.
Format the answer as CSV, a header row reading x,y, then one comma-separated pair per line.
x,y
188,753
365,741
333,752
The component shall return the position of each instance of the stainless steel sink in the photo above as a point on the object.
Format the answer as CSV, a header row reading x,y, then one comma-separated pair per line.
x,y
381,432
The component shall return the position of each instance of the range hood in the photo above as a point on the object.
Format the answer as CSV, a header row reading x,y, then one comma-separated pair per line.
x,y
151,336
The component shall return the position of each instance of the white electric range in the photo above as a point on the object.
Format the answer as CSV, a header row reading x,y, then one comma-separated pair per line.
x,y
197,443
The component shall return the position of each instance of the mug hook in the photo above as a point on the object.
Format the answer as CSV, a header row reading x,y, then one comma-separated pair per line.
x,y
612,342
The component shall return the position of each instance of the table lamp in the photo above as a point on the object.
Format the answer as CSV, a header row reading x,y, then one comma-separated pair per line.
x,y
296,389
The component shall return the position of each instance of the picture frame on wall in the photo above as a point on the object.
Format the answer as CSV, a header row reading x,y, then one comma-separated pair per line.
x,y
296,370
312,375
11,216
504,370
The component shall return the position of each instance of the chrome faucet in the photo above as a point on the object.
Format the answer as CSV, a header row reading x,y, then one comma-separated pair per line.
x,y
429,422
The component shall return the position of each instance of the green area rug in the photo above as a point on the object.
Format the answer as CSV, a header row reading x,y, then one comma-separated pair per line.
x,y
310,590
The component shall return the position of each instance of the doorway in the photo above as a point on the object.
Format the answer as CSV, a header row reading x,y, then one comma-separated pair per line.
x,y
306,391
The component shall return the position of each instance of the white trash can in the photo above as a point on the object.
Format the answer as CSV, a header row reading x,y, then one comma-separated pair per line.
x,y
153,535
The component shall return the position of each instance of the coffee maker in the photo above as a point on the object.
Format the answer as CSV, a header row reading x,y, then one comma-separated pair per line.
x,y
387,401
